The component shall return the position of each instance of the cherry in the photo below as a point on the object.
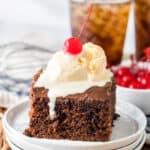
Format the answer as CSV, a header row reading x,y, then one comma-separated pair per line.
x,y
143,82
141,72
124,80
121,83
148,87
135,80
127,78
123,71
135,85
146,56
73,46
139,79
147,53
148,83
134,76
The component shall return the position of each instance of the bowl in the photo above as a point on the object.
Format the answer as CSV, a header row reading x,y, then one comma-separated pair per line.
x,y
138,97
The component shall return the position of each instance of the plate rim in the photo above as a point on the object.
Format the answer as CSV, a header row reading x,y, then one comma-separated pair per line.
x,y
138,142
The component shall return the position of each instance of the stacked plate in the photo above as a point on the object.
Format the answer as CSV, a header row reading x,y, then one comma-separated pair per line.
x,y
128,132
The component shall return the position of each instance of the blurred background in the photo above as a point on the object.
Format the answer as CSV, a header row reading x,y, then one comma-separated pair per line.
x,y
30,31
34,21
45,23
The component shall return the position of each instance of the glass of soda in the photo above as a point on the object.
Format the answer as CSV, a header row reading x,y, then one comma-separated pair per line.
x,y
142,24
106,26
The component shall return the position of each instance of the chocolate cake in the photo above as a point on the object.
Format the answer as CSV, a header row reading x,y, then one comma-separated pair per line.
x,y
82,116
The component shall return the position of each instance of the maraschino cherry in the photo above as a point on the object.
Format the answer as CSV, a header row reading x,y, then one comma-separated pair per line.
x,y
134,76
73,45
147,53
146,56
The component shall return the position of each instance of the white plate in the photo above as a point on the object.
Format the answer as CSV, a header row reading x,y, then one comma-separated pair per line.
x,y
18,144
25,145
135,144
12,146
128,129
148,138
21,144
140,146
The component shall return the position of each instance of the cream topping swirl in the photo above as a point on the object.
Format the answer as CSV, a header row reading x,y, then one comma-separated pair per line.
x,y
66,74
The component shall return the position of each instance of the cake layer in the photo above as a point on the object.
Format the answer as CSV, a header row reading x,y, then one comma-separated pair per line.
x,y
86,116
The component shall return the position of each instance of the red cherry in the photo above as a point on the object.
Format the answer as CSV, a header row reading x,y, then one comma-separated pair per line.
x,y
148,85
139,78
141,73
73,46
123,71
135,85
121,82
143,77
147,53
148,81
127,78
144,82
134,76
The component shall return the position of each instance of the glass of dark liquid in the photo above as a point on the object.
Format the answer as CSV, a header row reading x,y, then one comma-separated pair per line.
x,y
142,24
106,26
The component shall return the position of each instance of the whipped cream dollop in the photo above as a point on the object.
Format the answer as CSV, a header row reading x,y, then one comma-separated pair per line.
x,y
67,74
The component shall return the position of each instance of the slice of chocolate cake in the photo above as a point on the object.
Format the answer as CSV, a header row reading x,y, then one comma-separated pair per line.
x,y
73,98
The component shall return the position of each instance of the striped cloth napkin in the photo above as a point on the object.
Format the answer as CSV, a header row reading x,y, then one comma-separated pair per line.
x,y
18,63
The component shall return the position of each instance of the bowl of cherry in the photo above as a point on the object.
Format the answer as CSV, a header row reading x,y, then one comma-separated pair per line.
x,y
133,81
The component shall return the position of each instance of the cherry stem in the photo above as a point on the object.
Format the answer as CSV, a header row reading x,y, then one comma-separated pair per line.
x,y
133,61
86,20
134,67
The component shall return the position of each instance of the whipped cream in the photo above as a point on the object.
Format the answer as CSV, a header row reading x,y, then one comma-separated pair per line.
x,y
66,74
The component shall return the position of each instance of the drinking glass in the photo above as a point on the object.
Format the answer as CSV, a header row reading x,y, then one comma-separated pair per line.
x,y
106,26
142,24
